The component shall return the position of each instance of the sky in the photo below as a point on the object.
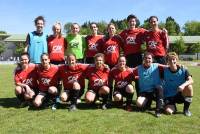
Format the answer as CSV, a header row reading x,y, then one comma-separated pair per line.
x,y
17,16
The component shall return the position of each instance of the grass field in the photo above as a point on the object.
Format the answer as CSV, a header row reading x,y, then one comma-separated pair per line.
x,y
89,121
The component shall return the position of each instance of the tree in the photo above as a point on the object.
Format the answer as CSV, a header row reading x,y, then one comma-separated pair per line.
x,y
179,46
146,24
19,48
2,48
67,27
3,32
172,26
192,28
194,48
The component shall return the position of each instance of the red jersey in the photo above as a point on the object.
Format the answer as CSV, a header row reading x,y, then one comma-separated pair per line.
x,y
93,45
97,77
122,78
111,49
71,74
27,76
47,78
56,48
133,40
157,42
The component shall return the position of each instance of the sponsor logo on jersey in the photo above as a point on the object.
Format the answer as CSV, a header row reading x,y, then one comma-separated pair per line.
x,y
121,84
28,81
99,82
111,49
72,79
45,81
152,44
57,49
93,46
130,40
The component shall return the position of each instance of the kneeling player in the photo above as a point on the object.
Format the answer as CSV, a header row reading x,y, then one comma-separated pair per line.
x,y
47,79
148,77
25,80
177,86
123,87
72,76
98,81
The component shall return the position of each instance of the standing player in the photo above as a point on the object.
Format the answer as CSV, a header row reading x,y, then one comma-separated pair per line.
x,y
132,38
73,80
47,79
92,43
56,45
56,50
76,43
148,76
177,86
111,46
122,75
36,41
157,41
97,75
25,80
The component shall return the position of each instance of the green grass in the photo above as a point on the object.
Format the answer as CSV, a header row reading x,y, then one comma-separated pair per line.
x,y
89,121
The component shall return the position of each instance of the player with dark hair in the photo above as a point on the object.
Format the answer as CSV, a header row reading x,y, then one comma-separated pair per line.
x,y
122,75
148,77
47,75
25,80
71,75
133,39
157,41
97,75
36,41
92,43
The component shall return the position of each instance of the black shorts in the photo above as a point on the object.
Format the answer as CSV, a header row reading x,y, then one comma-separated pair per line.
x,y
69,93
121,91
89,60
134,60
80,60
149,95
160,59
178,98
58,62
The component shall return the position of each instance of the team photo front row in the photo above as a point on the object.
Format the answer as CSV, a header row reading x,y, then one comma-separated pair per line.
x,y
167,85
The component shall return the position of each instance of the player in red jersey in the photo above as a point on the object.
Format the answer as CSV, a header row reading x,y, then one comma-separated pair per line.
x,y
122,75
56,45
56,50
25,80
132,38
92,43
97,75
73,81
157,41
47,79
111,46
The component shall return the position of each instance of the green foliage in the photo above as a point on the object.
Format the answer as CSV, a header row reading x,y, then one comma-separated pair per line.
x,y
3,32
19,48
179,46
2,47
172,26
192,28
67,27
146,24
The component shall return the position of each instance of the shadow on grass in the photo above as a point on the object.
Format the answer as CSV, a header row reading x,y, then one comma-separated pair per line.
x,y
9,102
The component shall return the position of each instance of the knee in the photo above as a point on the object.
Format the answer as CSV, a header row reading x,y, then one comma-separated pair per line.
x,y
76,86
89,97
52,90
63,97
117,97
18,90
37,103
169,109
104,90
129,89
141,102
